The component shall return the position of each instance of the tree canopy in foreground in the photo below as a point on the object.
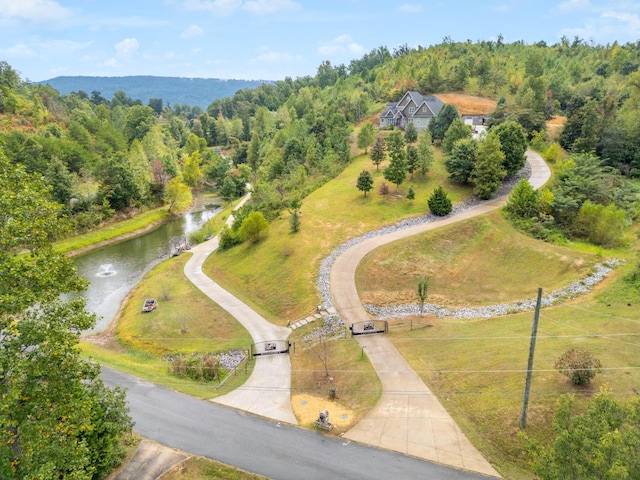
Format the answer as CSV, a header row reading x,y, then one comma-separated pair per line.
x,y
57,418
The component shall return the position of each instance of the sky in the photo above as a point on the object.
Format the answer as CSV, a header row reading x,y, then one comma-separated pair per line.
x,y
274,39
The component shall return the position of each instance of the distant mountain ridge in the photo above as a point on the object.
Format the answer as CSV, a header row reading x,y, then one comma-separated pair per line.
x,y
192,91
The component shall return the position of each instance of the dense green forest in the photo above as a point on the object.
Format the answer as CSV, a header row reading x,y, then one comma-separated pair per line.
x,y
288,137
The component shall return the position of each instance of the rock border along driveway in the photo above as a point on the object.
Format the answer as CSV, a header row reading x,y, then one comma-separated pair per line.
x,y
409,418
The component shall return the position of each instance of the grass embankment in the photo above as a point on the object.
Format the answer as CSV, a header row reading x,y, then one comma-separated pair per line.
x,y
477,367
115,232
200,468
277,275
186,321
318,367
482,261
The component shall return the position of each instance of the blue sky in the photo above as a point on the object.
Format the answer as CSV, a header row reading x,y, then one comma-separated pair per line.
x,y
271,39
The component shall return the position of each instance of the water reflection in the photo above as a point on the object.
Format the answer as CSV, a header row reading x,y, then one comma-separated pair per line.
x,y
112,271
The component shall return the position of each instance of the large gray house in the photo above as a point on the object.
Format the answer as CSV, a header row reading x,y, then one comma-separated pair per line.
x,y
412,108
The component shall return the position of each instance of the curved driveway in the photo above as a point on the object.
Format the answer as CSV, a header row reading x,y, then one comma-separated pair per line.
x,y
267,392
409,418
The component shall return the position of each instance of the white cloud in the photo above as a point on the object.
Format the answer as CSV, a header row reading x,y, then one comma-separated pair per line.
x,y
632,20
263,7
569,6
33,10
19,50
111,63
268,55
127,47
341,44
216,7
192,31
410,8
64,46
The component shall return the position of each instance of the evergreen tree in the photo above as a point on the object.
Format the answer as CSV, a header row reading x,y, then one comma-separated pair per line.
x,y
411,195
488,171
396,171
522,202
378,151
412,159
365,182
439,202
410,133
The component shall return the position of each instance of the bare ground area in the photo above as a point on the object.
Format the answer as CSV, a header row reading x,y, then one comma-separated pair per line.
x,y
307,408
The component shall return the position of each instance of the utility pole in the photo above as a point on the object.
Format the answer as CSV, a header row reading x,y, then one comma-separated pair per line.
x,y
532,348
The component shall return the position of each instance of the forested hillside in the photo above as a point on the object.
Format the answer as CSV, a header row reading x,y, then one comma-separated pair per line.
x,y
290,136
199,92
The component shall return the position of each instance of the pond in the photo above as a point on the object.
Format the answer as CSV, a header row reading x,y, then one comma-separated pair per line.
x,y
113,270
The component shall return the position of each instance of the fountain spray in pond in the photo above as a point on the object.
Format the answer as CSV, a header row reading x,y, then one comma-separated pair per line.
x,y
106,270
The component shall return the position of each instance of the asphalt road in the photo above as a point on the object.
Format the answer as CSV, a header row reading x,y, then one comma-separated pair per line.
x,y
276,450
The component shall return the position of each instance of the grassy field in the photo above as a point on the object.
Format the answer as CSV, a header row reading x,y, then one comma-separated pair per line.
x,y
357,387
186,321
477,368
479,262
277,275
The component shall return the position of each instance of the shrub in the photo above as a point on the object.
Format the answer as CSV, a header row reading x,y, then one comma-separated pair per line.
x,y
579,365
202,368
253,227
439,202
228,238
383,189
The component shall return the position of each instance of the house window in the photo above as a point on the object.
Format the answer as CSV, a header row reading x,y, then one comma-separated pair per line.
x,y
410,120
424,109
412,110
418,121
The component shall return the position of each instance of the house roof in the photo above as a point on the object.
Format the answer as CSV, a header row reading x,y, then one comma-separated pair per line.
x,y
411,97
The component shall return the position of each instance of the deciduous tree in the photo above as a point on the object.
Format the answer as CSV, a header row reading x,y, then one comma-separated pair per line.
x,y
253,228
426,152
57,420
456,131
460,162
513,143
366,136
488,171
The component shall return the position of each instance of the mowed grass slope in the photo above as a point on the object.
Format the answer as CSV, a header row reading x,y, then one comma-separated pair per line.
x,y
185,322
277,276
481,261
477,368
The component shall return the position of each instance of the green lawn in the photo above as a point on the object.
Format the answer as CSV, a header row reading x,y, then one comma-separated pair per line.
x,y
277,275
477,367
186,321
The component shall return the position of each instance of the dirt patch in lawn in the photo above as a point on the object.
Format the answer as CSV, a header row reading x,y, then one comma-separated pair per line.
x,y
307,408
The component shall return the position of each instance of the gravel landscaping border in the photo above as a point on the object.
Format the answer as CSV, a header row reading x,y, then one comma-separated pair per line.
x,y
573,290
